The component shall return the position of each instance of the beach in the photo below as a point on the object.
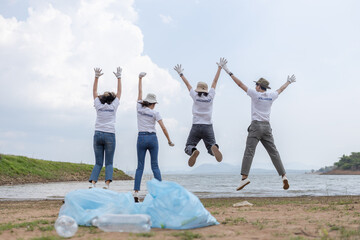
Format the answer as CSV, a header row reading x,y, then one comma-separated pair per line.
x,y
311,217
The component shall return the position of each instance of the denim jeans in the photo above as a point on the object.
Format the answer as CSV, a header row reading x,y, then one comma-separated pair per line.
x,y
260,131
147,141
104,144
198,132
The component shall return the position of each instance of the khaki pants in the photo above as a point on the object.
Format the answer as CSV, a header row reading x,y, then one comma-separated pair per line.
x,y
260,131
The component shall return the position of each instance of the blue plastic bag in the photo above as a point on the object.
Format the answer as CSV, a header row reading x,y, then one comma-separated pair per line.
x,y
172,206
168,204
85,204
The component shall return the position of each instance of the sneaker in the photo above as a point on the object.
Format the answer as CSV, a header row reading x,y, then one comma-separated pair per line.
x,y
217,153
193,157
136,197
92,186
286,183
243,183
107,186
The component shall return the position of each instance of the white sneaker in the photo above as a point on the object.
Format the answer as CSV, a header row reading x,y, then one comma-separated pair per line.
x,y
243,183
286,183
217,153
92,186
107,186
193,157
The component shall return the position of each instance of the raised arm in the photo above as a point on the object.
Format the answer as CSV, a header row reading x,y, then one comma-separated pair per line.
x,y
98,73
163,128
288,82
236,80
213,85
179,70
141,75
118,76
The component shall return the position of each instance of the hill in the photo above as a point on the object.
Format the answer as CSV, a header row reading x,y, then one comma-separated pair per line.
x,y
21,170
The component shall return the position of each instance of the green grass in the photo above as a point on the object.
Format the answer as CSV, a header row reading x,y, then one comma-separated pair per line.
x,y
43,225
186,235
19,169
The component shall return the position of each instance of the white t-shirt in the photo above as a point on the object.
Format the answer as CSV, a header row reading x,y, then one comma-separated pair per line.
x,y
146,118
106,115
202,107
261,104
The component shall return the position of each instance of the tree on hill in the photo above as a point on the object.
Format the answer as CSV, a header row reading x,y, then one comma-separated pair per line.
x,y
351,162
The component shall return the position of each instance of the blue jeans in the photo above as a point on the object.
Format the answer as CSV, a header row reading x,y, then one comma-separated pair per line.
x,y
147,141
104,144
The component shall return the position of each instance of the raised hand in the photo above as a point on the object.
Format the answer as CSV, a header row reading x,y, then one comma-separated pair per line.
x,y
291,79
179,69
222,62
98,72
118,72
142,74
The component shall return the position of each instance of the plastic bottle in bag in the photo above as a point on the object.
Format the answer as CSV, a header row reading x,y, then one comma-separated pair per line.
x,y
66,226
123,222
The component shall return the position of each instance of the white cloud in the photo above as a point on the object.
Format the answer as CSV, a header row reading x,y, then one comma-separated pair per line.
x,y
166,19
47,73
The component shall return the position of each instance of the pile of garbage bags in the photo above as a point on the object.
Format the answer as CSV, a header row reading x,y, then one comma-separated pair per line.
x,y
168,204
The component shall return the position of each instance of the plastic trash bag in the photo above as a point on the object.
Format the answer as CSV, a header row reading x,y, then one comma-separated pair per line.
x,y
85,204
172,206
168,204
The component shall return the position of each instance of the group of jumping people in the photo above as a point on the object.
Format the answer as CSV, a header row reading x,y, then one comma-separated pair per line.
x,y
202,128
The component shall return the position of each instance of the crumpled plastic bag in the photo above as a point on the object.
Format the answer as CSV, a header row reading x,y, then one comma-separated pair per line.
x,y
85,204
168,204
172,206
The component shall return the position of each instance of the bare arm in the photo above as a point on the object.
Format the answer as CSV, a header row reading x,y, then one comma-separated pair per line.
x,y
189,87
118,76
140,89
118,94
141,75
239,83
288,82
98,73
179,70
163,128
222,64
217,75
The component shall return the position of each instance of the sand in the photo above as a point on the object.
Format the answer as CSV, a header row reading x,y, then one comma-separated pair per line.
x,y
268,218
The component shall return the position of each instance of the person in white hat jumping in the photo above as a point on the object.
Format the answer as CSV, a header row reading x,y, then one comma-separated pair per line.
x,y
104,137
147,139
260,129
202,127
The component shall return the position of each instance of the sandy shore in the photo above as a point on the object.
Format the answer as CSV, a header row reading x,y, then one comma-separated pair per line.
x,y
268,218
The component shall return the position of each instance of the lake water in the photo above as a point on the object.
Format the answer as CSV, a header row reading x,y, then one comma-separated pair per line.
x,y
206,186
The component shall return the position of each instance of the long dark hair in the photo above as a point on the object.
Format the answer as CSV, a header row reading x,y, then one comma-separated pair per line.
x,y
146,104
107,97
201,93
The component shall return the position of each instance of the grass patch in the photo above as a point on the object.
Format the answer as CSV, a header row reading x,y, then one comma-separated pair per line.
x,y
186,235
19,169
234,221
47,238
28,225
149,234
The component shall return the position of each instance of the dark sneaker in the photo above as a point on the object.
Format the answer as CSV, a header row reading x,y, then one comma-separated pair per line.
x,y
286,183
243,183
136,197
193,157
217,153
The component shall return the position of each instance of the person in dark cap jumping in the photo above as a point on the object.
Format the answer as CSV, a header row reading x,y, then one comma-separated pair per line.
x,y
260,129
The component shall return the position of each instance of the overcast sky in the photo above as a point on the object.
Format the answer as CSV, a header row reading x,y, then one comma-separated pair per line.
x,y
49,49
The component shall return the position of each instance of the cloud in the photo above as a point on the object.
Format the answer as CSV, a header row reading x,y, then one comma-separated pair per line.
x,y
166,19
46,73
